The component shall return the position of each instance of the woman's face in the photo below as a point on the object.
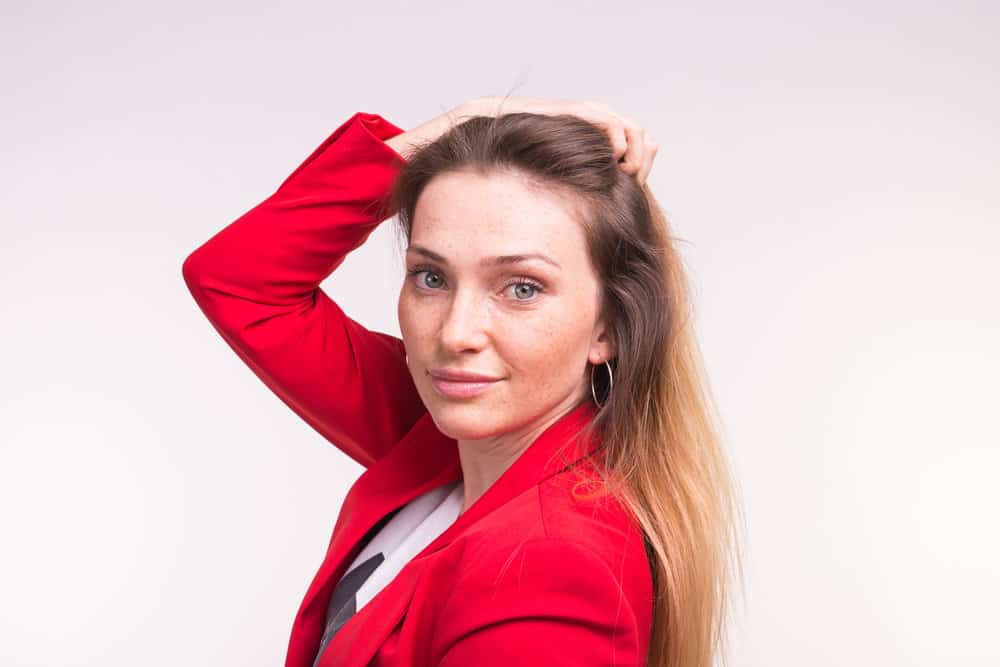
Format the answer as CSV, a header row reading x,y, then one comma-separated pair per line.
x,y
531,324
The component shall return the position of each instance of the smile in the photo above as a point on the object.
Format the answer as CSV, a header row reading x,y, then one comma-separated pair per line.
x,y
454,389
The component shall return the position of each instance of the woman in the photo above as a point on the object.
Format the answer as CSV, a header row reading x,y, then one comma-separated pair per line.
x,y
543,481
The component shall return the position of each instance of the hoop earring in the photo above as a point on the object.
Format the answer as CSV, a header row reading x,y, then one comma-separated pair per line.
x,y
611,383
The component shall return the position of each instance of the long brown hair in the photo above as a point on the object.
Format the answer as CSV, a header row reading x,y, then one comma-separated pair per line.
x,y
658,424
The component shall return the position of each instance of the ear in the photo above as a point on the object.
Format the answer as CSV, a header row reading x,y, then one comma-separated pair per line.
x,y
602,348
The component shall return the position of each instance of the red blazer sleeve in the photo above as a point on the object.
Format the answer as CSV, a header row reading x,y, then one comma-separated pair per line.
x,y
550,603
257,281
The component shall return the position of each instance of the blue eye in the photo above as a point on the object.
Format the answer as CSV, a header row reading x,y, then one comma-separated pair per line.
x,y
515,282
419,270
526,282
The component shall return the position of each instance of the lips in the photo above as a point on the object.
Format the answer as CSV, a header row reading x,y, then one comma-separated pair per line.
x,y
457,375
453,383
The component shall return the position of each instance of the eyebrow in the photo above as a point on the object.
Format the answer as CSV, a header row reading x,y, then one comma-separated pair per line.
x,y
497,260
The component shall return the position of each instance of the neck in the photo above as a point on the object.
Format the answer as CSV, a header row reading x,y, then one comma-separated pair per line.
x,y
485,460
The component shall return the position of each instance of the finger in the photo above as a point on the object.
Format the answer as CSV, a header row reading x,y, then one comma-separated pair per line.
x,y
619,140
627,136
611,124
614,131
600,106
650,153
633,157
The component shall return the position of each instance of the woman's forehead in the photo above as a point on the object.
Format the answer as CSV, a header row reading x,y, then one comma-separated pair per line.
x,y
487,216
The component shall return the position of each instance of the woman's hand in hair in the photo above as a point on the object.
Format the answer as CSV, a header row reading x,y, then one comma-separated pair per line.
x,y
633,147
407,143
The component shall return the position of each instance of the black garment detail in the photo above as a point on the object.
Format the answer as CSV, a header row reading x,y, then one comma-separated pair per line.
x,y
343,601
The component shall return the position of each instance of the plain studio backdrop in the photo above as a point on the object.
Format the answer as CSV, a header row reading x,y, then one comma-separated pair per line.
x,y
831,167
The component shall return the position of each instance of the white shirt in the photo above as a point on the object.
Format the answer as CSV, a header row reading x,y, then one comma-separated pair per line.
x,y
408,530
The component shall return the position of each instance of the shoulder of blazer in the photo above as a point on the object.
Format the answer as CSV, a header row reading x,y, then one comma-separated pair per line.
x,y
546,600
558,508
551,518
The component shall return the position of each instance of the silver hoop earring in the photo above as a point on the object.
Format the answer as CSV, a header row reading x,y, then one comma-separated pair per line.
x,y
611,383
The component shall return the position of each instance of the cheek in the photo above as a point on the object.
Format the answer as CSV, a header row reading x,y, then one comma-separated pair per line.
x,y
409,330
543,351
408,314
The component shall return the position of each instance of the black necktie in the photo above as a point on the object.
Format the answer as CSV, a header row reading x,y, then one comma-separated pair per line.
x,y
343,602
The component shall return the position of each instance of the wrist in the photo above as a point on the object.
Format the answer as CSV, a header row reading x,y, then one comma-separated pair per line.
x,y
479,106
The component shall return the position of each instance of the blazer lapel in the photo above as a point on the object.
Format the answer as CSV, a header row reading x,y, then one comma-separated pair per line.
x,y
360,638
423,460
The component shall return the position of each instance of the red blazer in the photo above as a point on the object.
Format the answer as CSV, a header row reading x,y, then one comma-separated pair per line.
x,y
528,574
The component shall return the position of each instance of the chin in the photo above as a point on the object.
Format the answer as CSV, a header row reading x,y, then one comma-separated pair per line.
x,y
464,420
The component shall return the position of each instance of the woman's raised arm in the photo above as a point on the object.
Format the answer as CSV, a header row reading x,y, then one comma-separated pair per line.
x,y
257,281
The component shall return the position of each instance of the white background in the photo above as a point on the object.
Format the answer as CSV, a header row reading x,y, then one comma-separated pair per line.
x,y
832,167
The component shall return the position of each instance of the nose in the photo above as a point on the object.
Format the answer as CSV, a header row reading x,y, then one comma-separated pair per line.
x,y
465,324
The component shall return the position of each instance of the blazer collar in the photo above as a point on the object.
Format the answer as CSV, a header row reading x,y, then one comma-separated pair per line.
x,y
428,459
421,461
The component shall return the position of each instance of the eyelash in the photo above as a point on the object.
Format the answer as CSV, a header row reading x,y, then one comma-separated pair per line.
x,y
517,280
